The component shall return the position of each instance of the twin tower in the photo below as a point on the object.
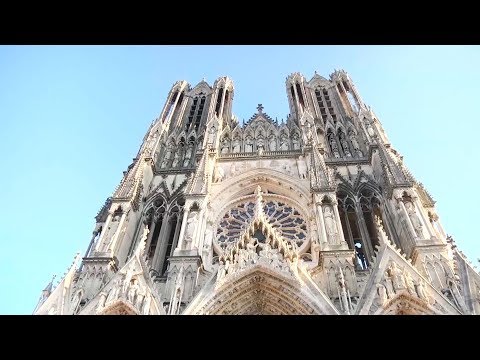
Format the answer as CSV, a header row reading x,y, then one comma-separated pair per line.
x,y
316,214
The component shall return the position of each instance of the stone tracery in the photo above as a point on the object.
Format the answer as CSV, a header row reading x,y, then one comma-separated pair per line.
x,y
283,217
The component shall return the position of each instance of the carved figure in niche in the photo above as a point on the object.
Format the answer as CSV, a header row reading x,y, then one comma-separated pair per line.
x,y
176,158
302,167
382,294
236,145
397,276
221,270
101,301
284,142
188,154
219,174
191,223
417,225
331,226
225,146
389,284
355,144
146,304
333,145
252,250
370,130
114,291
266,251
422,293
242,258
344,143
132,291
276,259
248,144
129,274
211,135
272,142
167,156
410,284
296,141
434,221
309,132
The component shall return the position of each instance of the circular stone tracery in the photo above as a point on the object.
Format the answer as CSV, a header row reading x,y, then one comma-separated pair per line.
x,y
281,216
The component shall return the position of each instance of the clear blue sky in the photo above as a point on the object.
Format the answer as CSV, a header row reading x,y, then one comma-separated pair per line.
x,y
73,118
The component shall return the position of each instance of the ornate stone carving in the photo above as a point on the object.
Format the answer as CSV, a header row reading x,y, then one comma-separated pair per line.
x,y
331,225
302,167
412,214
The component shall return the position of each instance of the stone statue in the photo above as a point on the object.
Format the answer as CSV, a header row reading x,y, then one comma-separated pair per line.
x,y
266,251
146,304
284,142
114,290
252,250
129,274
410,284
287,168
221,270
417,225
236,145
188,154
132,291
333,145
101,301
242,258
296,142
191,223
382,294
167,156
176,159
344,143
302,167
272,143
389,284
219,174
309,132
211,135
353,140
397,276
248,144
331,226
422,294
225,146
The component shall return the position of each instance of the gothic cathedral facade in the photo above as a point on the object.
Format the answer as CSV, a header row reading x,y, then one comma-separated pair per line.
x,y
316,214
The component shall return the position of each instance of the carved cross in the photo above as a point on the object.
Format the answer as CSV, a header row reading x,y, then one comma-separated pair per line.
x,y
260,108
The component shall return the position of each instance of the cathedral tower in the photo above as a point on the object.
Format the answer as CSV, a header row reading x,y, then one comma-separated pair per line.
x,y
316,214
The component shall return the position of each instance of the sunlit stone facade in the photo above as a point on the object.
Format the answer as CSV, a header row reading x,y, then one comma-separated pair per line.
x,y
315,214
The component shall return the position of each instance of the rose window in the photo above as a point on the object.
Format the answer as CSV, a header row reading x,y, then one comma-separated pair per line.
x,y
283,217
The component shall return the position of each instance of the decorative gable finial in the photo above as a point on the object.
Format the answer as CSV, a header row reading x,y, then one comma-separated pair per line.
x,y
260,108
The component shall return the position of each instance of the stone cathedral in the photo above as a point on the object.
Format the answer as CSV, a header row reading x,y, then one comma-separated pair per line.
x,y
315,214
